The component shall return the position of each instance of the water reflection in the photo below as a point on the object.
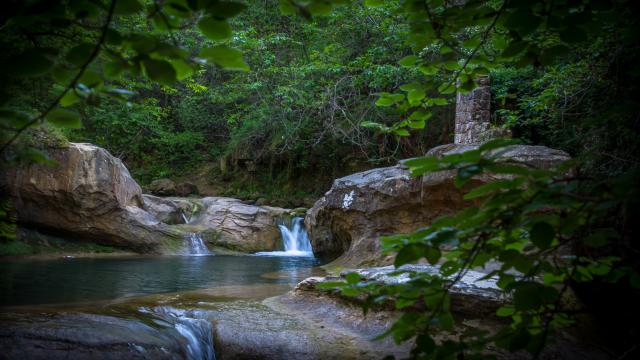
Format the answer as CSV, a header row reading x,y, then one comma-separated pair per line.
x,y
28,282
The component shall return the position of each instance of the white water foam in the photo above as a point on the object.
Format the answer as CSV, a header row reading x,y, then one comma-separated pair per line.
x,y
197,331
295,241
195,246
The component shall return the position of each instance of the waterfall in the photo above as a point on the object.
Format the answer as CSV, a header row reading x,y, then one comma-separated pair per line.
x,y
195,246
196,330
294,239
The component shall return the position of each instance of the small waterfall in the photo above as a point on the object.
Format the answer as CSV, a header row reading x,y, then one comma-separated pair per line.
x,y
195,246
184,217
195,330
294,239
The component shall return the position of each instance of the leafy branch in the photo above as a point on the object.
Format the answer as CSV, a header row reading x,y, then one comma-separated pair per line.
x,y
72,84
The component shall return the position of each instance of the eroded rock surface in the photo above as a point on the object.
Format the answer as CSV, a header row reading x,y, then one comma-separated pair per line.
x,y
86,336
235,225
87,193
350,218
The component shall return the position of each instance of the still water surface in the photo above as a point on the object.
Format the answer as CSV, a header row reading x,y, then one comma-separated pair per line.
x,y
30,282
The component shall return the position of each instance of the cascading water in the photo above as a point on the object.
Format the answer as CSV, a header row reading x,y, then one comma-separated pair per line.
x,y
294,239
197,331
195,246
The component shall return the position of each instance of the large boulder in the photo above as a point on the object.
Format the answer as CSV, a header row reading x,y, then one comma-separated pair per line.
x,y
162,187
186,189
86,336
233,224
87,193
224,223
349,219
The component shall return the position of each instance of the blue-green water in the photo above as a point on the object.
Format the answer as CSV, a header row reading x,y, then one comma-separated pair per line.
x,y
30,282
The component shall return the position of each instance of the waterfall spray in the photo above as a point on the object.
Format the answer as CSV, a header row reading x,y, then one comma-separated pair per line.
x,y
294,239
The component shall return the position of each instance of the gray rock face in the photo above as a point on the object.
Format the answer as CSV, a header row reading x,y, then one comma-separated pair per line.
x,y
163,209
87,193
224,222
235,225
350,218
86,336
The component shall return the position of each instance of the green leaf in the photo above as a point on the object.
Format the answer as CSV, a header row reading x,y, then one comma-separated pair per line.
x,y
384,101
70,98
80,54
287,7
319,8
514,49
438,101
127,7
36,156
226,9
61,75
29,63
352,278
64,118
113,69
433,255
225,57
530,296
409,253
446,321
506,310
408,61
215,29
498,143
419,116
330,285
447,88
183,69
542,234
402,303
160,71
374,3
414,96
486,189
13,118
90,79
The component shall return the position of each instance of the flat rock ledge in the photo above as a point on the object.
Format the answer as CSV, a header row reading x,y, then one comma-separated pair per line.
x,y
470,295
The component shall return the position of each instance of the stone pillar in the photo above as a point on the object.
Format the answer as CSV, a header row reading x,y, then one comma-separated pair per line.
x,y
473,114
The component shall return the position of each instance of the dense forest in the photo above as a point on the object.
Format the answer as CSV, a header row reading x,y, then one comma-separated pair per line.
x,y
271,101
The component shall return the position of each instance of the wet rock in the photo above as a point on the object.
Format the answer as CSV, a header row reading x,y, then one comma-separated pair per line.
x,y
163,209
186,189
86,336
162,187
235,225
87,194
347,222
297,327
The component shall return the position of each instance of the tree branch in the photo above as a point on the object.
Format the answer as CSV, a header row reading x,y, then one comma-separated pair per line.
x,y
72,84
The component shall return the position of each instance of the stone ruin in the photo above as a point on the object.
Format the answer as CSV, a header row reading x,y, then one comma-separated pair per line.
x,y
473,115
